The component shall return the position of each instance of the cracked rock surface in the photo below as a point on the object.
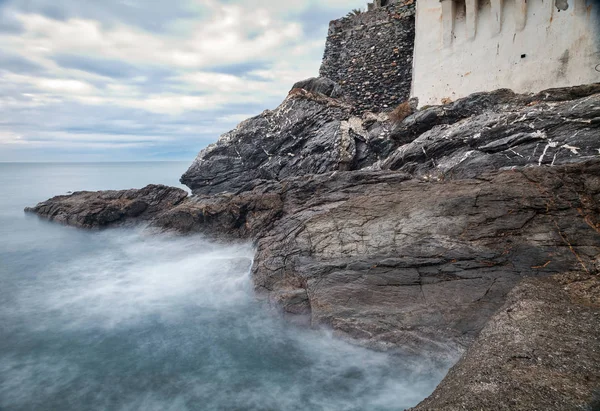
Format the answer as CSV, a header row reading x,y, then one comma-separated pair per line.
x,y
422,266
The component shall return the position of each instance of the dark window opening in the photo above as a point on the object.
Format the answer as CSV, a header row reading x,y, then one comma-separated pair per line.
x,y
561,4
461,9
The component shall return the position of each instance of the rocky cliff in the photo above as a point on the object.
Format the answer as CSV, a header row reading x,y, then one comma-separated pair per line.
x,y
370,56
472,226
409,235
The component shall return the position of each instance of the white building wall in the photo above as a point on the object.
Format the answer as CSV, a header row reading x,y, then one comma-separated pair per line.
x,y
466,46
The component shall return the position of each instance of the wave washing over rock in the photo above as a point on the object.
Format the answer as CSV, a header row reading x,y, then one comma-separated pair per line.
x,y
471,228
126,321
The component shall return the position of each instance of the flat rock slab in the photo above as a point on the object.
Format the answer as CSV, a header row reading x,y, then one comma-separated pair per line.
x,y
541,351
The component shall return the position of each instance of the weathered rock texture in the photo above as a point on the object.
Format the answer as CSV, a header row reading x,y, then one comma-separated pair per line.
x,y
301,136
490,131
370,56
541,351
412,264
309,133
98,209
312,133
243,216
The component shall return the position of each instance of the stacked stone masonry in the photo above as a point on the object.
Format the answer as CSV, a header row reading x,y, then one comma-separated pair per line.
x,y
370,56
381,3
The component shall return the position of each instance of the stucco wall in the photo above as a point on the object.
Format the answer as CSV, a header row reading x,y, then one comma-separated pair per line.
x,y
370,56
526,46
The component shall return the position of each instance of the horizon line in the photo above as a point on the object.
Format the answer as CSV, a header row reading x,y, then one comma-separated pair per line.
x,y
94,162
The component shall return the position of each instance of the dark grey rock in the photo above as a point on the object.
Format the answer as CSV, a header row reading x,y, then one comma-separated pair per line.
x,y
321,85
491,131
225,216
98,209
307,134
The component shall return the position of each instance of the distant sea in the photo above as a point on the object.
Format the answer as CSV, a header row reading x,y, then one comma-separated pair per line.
x,y
119,320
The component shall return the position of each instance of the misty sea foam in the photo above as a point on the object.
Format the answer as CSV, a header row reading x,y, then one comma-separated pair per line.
x,y
120,320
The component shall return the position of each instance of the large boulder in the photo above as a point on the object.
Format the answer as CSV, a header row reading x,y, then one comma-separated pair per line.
x,y
301,136
311,132
320,85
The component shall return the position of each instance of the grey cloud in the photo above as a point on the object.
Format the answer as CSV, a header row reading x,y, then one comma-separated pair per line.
x,y
44,115
152,15
8,23
177,137
103,67
18,64
157,79
240,69
53,11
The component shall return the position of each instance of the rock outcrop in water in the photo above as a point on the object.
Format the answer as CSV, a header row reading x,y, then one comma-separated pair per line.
x,y
407,235
88,209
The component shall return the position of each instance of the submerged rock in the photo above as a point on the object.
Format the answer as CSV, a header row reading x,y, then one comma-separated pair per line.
x,y
95,209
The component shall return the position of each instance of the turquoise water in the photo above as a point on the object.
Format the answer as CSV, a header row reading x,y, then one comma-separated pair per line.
x,y
118,320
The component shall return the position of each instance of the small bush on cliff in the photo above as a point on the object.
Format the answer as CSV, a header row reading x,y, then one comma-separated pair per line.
x,y
401,112
353,13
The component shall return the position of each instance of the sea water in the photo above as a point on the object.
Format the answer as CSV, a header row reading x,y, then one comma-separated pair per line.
x,y
120,320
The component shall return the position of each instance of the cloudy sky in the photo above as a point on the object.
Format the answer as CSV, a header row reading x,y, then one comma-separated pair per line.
x,y
116,80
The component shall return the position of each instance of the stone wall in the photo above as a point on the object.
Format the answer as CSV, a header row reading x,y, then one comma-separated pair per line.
x,y
381,3
370,56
